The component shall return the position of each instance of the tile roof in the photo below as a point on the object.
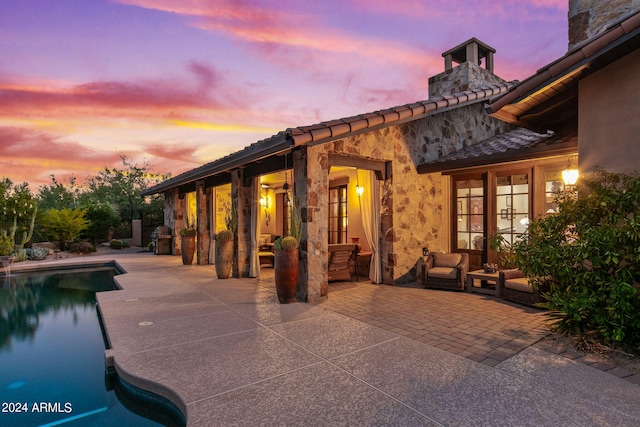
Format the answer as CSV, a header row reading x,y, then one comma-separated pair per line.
x,y
330,130
516,144
334,129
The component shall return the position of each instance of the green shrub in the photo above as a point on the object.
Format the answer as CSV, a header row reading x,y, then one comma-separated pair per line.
x,y
102,220
21,255
6,243
591,250
82,247
63,226
116,244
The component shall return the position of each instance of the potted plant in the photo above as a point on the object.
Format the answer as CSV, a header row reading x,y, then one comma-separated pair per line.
x,y
286,268
224,253
187,244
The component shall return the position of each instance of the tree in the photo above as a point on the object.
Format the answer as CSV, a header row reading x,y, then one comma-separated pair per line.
x,y
591,251
17,211
102,218
58,195
64,225
121,187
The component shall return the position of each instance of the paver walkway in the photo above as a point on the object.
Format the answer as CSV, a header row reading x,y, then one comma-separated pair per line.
x,y
481,328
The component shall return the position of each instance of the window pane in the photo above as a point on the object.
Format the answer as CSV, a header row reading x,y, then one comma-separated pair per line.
x,y
469,212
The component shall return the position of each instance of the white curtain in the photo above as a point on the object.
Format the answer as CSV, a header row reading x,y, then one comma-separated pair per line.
x,y
254,261
370,213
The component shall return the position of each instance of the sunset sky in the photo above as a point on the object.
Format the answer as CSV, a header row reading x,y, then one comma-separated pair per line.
x,y
180,83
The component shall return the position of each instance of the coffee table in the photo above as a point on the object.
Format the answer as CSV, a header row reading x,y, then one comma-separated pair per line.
x,y
489,283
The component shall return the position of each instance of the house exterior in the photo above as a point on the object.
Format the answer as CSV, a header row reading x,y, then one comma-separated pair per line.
x,y
480,157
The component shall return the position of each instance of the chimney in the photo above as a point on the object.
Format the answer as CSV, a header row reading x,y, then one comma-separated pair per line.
x,y
588,18
469,73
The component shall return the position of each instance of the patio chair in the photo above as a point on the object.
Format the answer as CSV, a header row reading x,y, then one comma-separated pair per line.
x,y
341,256
516,287
265,250
446,271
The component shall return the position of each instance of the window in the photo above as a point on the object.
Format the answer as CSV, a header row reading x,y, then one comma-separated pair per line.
x,y
553,186
338,214
469,221
512,205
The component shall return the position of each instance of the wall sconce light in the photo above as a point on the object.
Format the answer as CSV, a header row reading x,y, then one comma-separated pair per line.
x,y
264,201
425,251
570,174
359,190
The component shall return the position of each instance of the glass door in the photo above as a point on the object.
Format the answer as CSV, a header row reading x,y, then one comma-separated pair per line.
x,y
469,219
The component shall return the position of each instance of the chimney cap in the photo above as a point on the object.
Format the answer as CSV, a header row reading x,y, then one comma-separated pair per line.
x,y
459,52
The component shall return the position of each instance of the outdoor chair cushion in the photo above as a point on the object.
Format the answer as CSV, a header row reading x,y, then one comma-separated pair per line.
x,y
443,273
519,284
450,260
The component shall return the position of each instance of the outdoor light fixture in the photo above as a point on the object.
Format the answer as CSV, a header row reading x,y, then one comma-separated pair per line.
x,y
264,199
359,189
570,174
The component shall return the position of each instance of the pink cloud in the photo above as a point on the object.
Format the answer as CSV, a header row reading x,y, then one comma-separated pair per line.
x,y
205,90
433,9
180,153
30,155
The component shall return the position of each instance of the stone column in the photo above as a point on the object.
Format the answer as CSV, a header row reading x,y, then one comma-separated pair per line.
x,y
179,221
170,201
202,224
312,202
241,199
387,237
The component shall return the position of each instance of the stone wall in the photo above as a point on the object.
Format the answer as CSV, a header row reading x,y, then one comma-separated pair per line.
x,y
463,77
449,132
414,208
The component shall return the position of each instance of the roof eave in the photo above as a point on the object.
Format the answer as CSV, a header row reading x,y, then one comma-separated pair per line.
x,y
568,147
565,66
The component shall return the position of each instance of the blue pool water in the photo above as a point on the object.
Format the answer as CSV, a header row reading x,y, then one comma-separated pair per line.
x,y
52,369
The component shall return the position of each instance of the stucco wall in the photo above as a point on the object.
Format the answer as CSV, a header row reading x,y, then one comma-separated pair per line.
x,y
609,117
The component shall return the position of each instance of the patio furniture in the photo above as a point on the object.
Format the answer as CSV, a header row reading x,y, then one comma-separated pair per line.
x,y
265,249
161,238
341,256
517,288
486,280
446,271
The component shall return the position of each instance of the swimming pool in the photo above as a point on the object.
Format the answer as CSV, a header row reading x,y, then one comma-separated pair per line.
x,y
52,369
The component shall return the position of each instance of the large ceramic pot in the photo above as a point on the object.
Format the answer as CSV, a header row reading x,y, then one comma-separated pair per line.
x,y
286,274
224,259
187,249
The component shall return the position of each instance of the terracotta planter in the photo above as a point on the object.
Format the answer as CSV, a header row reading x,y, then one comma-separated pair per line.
x,y
286,275
187,249
224,259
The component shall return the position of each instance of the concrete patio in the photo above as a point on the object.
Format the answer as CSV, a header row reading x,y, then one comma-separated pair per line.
x,y
227,353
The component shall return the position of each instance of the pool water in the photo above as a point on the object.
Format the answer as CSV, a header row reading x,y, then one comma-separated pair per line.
x,y
52,369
